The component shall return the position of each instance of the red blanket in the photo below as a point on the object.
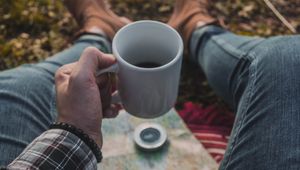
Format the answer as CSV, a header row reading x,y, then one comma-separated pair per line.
x,y
211,126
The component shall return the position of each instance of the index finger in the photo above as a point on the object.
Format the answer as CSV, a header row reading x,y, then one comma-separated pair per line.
x,y
93,59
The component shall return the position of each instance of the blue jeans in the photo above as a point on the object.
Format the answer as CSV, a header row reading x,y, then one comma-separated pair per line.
x,y
27,98
260,79
256,76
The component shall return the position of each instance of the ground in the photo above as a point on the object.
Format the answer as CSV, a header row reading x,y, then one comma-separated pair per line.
x,y
33,30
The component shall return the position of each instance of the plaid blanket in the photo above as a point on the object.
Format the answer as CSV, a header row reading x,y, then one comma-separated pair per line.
x,y
211,126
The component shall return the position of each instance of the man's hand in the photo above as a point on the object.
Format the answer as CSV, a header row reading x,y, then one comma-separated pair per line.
x,y
82,98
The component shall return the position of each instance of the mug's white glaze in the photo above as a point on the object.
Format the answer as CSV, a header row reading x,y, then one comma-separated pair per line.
x,y
148,92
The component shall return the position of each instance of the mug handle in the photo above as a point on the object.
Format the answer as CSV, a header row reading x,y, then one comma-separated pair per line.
x,y
111,69
115,97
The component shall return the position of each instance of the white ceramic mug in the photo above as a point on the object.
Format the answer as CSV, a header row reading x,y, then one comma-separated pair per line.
x,y
147,92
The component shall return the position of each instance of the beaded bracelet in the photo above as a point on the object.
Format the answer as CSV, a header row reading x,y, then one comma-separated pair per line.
x,y
80,134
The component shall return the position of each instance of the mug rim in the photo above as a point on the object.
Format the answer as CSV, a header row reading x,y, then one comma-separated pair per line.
x,y
173,61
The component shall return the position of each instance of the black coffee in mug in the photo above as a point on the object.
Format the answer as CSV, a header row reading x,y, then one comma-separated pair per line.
x,y
148,64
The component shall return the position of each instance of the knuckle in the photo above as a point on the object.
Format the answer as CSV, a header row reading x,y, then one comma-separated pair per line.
x,y
59,74
90,51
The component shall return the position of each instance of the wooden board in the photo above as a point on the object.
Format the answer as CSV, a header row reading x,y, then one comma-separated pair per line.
x,y
182,152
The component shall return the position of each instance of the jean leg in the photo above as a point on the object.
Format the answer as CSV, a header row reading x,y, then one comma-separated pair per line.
x,y
264,87
27,98
219,53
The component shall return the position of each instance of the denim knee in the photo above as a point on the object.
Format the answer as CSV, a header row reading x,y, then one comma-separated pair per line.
x,y
267,123
274,72
270,67
278,57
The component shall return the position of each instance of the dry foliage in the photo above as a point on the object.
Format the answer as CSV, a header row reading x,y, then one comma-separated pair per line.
x,y
32,30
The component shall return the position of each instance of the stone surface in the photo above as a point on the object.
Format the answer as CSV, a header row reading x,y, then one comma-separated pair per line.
x,y
182,151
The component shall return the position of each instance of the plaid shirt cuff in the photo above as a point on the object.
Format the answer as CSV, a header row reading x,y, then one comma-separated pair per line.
x,y
55,149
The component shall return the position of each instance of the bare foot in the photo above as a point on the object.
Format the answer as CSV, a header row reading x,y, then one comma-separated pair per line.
x,y
94,16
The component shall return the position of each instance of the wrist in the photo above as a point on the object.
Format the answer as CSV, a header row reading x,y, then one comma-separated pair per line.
x,y
93,133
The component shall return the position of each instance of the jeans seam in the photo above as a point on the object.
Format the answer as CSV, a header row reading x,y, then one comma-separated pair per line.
x,y
252,77
230,50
